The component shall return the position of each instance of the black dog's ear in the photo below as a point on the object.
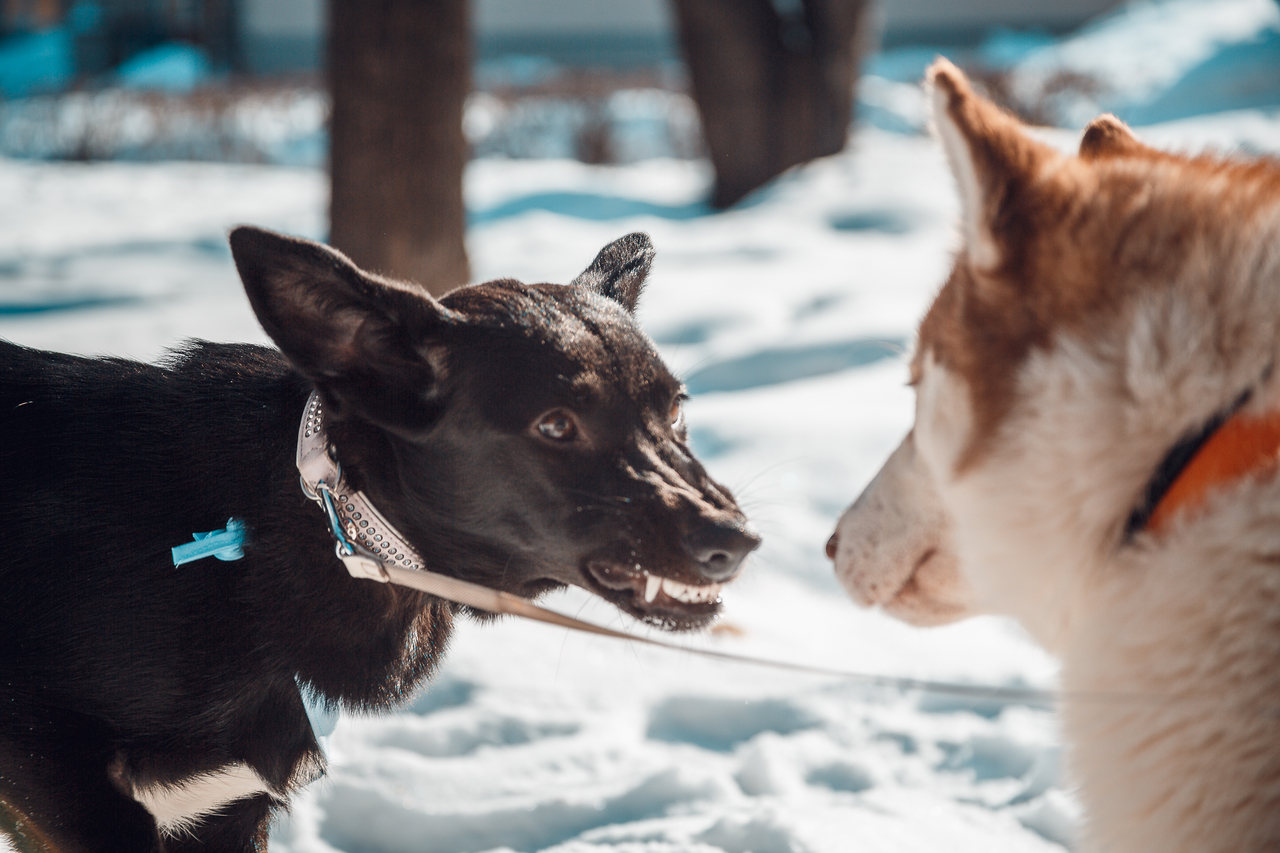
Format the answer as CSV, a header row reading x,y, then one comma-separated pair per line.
x,y
358,337
619,271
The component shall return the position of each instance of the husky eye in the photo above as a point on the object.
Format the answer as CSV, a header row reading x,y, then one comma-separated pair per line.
x,y
558,426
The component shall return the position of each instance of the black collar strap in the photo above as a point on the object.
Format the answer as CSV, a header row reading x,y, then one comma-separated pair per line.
x,y
1173,464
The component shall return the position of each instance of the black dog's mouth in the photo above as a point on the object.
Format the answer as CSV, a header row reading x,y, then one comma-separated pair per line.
x,y
663,601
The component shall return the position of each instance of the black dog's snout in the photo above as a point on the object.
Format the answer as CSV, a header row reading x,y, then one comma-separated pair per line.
x,y
720,548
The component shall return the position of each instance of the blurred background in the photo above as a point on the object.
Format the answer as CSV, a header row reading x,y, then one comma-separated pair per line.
x,y
394,96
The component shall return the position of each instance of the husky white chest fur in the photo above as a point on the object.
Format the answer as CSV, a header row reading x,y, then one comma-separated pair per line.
x,y
1095,454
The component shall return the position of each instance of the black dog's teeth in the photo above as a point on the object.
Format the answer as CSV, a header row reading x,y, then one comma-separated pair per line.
x,y
682,592
648,588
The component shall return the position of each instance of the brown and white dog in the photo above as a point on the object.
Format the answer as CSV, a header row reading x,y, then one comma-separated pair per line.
x,y
1094,454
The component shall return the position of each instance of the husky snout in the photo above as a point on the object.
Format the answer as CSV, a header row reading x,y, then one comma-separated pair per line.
x,y
893,547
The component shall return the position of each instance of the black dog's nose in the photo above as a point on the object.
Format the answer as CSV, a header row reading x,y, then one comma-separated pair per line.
x,y
720,548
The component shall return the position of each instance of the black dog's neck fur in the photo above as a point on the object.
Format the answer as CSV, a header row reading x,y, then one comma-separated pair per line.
x,y
215,462
386,629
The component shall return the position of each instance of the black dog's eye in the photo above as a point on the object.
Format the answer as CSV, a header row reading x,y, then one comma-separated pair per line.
x,y
677,413
558,426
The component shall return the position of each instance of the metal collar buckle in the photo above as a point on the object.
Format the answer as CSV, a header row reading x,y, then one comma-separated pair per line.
x,y
359,562
364,541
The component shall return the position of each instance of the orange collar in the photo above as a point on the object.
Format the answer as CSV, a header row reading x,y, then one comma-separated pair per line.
x,y
1242,446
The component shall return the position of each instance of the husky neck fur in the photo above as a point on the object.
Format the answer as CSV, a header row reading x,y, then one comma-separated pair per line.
x,y
1103,308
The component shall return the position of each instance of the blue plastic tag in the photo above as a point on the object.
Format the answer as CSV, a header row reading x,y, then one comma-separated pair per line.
x,y
225,544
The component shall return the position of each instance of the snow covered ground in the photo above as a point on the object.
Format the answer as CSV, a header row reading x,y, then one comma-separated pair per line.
x,y
788,318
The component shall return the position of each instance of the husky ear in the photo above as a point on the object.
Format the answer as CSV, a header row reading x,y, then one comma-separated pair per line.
x,y
619,271
992,158
1108,136
361,339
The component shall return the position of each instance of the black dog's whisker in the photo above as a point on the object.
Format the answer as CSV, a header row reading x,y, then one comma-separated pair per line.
x,y
747,484
608,499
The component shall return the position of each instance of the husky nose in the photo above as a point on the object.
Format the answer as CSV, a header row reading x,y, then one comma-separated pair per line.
x,y
720,548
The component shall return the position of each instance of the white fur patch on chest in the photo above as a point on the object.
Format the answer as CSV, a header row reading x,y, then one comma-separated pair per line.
x,y
178,808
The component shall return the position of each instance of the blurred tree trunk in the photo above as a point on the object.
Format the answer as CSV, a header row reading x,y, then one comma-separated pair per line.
x,y
399,71
218,33
773,80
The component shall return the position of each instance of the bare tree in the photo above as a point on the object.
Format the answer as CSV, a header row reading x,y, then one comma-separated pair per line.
x,y
399,72
773,80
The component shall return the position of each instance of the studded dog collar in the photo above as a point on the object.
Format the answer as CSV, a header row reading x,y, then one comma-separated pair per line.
x,y
365,541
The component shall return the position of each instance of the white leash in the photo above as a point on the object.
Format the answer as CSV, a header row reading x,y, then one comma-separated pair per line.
x,y
371,548
494,601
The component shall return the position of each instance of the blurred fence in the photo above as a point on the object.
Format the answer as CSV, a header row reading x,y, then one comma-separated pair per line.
x,y
592,118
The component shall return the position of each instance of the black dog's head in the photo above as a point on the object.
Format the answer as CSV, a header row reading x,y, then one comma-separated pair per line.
x,y
520,436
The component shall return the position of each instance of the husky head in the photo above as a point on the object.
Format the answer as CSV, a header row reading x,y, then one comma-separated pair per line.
x,y
1102,308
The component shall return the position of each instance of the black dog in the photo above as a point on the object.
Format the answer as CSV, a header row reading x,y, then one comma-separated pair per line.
x,y
522,437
